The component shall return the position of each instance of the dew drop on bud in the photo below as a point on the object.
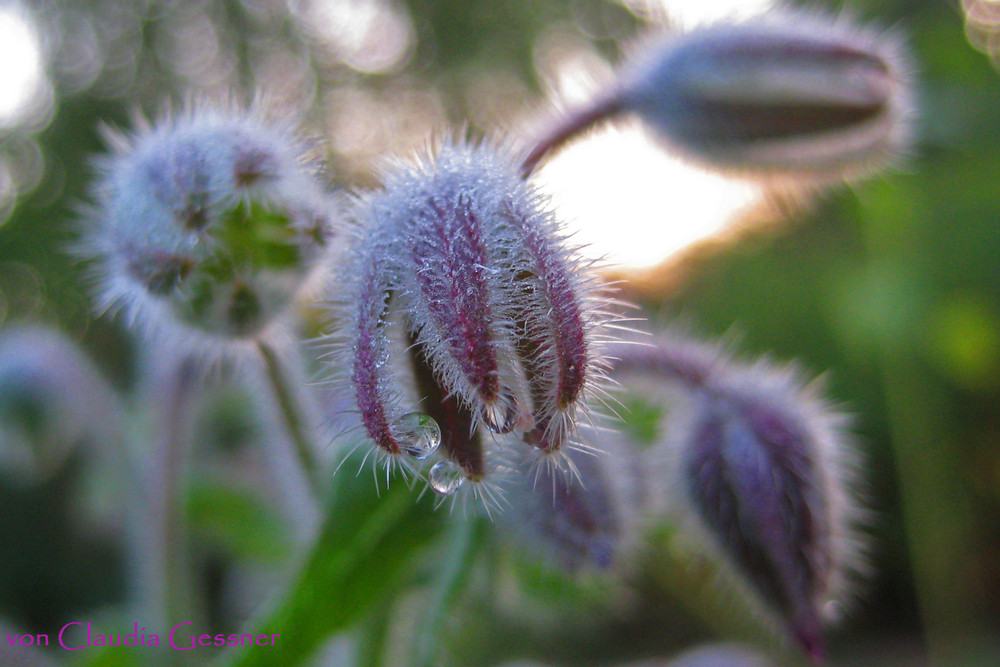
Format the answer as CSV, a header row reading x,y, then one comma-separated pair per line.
x,y
501,416
446,477
418,434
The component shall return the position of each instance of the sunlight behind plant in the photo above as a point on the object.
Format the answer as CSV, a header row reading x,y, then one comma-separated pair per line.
x,y
21,74
613,186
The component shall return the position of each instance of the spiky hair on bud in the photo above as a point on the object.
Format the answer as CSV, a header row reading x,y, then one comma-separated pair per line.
x,y
590,522
791,98
206,224
761,478
498,313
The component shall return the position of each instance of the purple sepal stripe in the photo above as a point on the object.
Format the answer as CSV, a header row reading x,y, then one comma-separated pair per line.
x,y
449,251
371,354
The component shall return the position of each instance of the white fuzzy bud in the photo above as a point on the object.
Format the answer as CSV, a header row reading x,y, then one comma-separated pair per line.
x,y
209,222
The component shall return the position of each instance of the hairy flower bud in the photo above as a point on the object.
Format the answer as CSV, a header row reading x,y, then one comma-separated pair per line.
x,y
758,473
585,521
496,310
206,222
787,95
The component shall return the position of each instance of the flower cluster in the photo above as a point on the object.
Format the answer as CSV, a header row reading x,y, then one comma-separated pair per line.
x,y
497,313
470,334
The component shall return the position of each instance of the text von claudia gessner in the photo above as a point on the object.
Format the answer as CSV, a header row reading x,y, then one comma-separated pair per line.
x,y
77,635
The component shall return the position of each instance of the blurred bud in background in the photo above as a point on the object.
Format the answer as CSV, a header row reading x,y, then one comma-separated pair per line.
x,y
587,521
793,95
718,655
800,97
759,475
52,400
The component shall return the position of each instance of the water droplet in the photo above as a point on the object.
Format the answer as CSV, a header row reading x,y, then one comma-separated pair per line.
x,y
501,416
418,434
446,477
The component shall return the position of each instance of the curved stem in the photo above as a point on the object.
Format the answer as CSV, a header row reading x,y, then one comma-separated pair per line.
x,y
571,126
164,575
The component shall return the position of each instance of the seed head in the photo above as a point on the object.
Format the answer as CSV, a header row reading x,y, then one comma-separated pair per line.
x,y
496,311
207,224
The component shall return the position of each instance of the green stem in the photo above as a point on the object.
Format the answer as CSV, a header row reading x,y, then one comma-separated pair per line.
x,y
445,586
290,415
934,500
165,544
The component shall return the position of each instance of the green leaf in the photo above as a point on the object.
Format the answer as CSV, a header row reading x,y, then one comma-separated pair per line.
x,y
236,520
367,548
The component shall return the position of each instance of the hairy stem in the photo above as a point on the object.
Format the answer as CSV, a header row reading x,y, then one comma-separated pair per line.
x,y
570,127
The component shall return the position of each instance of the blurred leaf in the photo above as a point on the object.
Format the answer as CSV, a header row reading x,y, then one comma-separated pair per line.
x,y
964,339
113,656
368,546
237,520
641,419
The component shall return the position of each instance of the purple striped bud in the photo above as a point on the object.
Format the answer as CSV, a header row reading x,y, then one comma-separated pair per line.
x,y
495,309
207,224
759,474
797,96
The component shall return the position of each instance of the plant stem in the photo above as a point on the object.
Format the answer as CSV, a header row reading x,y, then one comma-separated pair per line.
x,y
161,537
445,586
288,409
569,127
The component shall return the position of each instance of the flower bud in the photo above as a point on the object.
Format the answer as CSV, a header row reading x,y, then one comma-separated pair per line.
x,y
779,94
52,399
720,655
759,476
497,312
589,520
207,223
786,97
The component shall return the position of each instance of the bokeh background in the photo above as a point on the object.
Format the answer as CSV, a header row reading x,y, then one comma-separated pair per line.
x,y
890,287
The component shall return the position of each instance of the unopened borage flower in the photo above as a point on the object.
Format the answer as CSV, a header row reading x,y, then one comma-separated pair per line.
x,y
790,97
760,476
207,224
497,312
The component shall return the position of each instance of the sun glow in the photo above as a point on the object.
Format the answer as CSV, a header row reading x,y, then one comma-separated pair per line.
x,y
635,205
624,197
21,73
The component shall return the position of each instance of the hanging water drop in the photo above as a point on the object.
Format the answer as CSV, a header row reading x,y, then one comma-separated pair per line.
x,y
446,477
501,416
418,434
